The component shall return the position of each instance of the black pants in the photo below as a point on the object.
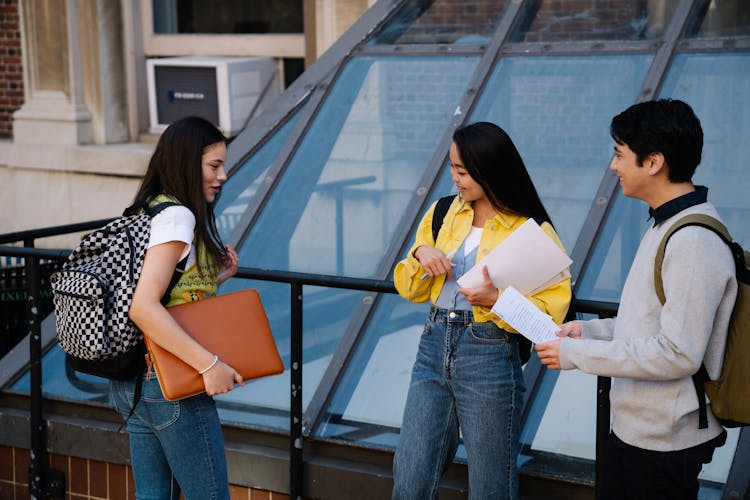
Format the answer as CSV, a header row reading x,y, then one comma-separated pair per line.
x,y
635,473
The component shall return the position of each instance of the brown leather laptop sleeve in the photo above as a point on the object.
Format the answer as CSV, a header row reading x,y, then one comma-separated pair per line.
x,y
233,326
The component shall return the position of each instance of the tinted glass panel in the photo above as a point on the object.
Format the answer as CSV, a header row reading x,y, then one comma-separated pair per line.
x,y
442,21
369,400
571,20
239,189
344,192
557,111
326,314
717,86
60,381
722,18
336,205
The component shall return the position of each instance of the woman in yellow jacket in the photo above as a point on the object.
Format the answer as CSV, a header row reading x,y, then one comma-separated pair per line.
x,y
467,374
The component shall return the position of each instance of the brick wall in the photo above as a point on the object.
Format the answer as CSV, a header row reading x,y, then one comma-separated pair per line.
x,y
446,21
11,73
89,479
587,19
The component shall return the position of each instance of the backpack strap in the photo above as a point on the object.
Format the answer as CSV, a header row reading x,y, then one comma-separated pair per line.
x,y
689,220
699,379
710,223
441,209
179,270
153,211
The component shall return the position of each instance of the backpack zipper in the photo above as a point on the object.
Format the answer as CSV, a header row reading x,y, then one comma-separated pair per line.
x,y
132,255
81,296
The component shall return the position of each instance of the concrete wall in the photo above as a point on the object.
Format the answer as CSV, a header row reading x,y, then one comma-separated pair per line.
x,y
54,185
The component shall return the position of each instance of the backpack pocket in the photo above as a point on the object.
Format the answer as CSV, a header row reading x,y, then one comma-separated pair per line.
x,y
80,314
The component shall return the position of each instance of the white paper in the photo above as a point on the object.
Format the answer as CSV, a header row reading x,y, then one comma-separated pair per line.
x,y
525,317
562,275
527,260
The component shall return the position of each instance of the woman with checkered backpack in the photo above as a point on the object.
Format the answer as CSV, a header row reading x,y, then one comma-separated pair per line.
x,y
177,446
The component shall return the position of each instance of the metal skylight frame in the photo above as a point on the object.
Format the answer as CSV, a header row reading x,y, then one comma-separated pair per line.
x,y
312,88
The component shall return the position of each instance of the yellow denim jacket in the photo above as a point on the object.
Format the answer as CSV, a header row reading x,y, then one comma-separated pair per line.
x,y
456,226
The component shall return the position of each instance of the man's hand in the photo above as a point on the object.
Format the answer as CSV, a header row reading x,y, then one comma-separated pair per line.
x,y
570,329
549,354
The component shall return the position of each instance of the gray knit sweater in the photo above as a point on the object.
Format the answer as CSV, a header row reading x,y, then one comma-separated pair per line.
x,y
651,350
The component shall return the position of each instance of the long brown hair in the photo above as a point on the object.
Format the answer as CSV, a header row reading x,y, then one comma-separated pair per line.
x,y
175,169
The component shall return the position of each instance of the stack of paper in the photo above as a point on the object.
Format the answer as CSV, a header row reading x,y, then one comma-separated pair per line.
x,y
527,260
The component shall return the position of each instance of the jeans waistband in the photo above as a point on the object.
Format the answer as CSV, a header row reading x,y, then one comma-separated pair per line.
x,y
457,315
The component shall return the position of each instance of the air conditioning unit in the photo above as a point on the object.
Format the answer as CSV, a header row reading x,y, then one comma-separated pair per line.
x,y
227,91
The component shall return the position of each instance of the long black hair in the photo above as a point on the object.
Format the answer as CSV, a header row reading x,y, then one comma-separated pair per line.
x,y
493,161
175,169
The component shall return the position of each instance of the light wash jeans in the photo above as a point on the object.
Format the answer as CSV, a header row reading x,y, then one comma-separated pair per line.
x,y
467,375
173,444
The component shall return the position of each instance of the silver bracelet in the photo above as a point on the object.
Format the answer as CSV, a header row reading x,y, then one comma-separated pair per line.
x,y
216,359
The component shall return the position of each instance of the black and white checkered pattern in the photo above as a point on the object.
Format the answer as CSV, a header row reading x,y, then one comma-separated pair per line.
x,y
94,289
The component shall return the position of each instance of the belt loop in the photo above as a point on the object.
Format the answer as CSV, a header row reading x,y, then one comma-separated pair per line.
x,y
433,311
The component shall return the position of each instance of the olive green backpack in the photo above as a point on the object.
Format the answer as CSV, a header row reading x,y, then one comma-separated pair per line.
x,y
729,393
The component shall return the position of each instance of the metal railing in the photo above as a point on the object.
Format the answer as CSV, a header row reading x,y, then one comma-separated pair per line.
x,y
45,482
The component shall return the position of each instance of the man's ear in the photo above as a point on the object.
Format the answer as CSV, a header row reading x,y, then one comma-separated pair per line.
x,y
655,163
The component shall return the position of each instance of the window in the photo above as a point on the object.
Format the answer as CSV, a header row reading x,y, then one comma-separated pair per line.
x,y
227,16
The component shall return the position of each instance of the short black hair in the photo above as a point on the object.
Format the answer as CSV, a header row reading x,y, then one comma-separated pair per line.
x,y
666,126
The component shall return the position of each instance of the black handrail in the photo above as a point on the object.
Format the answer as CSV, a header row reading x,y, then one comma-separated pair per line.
x,y
44,481
35,234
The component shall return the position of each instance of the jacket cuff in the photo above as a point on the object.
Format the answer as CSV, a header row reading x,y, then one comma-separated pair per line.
x,y
569,351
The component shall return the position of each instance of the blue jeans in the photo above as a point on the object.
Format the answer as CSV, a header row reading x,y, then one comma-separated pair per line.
x,y
466,375
174,445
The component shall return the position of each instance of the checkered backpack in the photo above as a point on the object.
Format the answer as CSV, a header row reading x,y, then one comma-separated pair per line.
x,y
92,295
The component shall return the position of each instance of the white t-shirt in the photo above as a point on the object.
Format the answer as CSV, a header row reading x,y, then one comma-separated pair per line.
x,y
472,240
174,223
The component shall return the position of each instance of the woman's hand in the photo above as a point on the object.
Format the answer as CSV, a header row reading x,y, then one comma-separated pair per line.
x,y
231,264
434,261
221,378
485,295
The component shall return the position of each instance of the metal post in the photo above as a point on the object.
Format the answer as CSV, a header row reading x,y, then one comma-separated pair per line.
x,y
340,231
43,481
603,385
296,464
38,466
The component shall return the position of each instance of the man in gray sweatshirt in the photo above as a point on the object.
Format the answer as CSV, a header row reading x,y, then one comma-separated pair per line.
x,y
655,449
